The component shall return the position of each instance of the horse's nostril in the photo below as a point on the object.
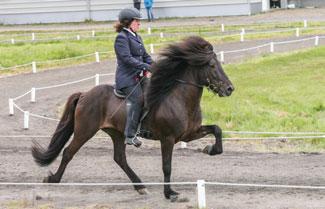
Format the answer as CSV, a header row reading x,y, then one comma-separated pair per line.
x,y
230,88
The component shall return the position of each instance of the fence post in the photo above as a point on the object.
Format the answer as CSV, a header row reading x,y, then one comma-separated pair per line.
x,y
297,32
13,41
222,27
33,36
11,107
201,194
305,24
26,119
97,79
222,56
34,67
242,37
272,47
152,50
33,95
93,33
316,40
149,30
161,35
183,145
97,57
78,37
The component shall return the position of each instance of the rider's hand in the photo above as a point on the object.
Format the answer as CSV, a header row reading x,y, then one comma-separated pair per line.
x,y
148,74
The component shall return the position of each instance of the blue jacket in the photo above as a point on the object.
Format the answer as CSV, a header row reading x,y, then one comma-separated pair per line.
x,y
148,3
132,58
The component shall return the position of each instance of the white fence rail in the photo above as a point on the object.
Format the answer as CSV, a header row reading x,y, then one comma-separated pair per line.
x,y
152,51
13,105
93,34
200,186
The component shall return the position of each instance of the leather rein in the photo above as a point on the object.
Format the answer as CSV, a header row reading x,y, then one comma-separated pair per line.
x,y
189,83
210,86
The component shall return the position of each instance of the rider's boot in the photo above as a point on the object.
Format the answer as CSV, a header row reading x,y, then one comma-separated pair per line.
x,y
133,117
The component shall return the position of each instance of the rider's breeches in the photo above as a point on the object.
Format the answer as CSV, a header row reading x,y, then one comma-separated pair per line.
x,y
134,104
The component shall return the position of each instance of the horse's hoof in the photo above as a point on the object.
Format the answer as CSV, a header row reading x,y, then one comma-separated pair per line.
x,y
143,191
212,150
183,199
46,179
173,197
207,149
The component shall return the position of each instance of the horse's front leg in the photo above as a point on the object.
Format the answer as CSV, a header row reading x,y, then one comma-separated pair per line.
x,y
167,147
213,149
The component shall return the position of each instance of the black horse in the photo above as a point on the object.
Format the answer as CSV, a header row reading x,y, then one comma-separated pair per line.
x,y
173,98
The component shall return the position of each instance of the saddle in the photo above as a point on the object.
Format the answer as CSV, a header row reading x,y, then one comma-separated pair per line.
x,y
141,131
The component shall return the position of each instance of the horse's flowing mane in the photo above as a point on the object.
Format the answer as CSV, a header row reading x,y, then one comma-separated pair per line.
x,y
174,61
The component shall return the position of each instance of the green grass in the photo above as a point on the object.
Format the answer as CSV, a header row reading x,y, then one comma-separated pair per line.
x,y
26,52
274,93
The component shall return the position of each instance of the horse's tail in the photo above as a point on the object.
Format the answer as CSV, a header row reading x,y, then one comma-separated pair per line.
x,y
61,135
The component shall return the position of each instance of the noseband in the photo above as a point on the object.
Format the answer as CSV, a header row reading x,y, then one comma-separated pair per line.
x,y
213,87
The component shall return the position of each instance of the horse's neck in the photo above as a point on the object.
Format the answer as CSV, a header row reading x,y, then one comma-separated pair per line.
x,y
189,92
184,99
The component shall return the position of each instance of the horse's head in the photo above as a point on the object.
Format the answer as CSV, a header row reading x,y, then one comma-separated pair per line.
x,y
216,79
210,72
191,61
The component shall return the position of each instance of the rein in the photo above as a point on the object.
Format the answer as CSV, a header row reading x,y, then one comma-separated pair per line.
x,y
189,83
210,86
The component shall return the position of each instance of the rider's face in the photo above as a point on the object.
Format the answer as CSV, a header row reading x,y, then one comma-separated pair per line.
x,y
135,25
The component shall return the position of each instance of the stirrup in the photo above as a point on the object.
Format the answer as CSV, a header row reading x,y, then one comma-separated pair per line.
x,y
133,141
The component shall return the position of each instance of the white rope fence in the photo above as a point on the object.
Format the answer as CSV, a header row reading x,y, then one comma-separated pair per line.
x,y
319,135
27,114
271,45
152,51
34,63
86,34
200,186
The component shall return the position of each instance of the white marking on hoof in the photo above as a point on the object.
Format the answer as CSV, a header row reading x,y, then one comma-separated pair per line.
x,y
143,191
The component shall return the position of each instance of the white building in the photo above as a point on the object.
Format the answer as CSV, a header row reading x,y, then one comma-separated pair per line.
x,y
50,11
54,11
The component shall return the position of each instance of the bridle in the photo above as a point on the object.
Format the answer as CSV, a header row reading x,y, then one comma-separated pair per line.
x,y
213,87
210,86
190,83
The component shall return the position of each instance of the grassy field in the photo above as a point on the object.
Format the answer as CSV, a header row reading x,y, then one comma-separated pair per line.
x,y
283,92
24,51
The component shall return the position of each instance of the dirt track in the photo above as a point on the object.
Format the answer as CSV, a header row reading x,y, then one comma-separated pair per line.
x,y
94,162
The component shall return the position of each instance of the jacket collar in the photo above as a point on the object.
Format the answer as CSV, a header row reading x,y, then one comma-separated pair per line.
x,y
132,35
130,31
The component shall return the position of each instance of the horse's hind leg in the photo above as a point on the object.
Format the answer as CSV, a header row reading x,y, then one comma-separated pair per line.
x,y
120,159
79,139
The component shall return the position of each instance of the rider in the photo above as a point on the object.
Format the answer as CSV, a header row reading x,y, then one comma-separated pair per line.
x,y
133,62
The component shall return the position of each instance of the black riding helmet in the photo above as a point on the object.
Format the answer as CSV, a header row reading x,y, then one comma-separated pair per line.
x,y
129,14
